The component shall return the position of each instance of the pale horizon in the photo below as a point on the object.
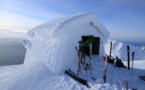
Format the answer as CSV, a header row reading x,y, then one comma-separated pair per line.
x,y
123,18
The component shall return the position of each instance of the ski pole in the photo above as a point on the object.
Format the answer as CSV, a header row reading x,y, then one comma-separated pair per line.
x,y
132,60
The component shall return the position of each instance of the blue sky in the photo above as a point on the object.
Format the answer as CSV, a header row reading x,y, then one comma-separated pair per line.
x,y
125,19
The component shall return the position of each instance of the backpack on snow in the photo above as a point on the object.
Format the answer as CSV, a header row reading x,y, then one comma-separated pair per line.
x,y
119,63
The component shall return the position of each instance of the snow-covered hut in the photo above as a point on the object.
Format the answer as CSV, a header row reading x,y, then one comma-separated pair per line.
x,y
53,43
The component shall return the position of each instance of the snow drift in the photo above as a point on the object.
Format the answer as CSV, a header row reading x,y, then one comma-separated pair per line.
x,y
120,49
54,42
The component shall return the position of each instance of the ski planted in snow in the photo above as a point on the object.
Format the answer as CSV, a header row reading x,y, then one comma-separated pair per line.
x,y
75,77
105,68
128,54
132,59
79,63
110,58
110,49
85,66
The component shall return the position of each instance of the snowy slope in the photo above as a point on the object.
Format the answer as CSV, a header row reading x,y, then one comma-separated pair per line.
x,y
36,73
120,49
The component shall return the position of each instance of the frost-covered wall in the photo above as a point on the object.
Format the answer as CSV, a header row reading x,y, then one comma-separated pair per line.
x,y
53,43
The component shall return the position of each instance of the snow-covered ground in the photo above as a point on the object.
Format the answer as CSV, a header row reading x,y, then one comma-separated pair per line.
x,y
35,73
39,78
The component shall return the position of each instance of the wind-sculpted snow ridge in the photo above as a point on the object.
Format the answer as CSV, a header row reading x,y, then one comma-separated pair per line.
x,y
120,49
47,29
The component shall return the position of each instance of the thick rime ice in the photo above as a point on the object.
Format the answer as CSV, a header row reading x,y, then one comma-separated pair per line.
x,y
53,42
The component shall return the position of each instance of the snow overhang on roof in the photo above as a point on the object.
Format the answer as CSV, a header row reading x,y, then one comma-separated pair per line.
x,y
47,29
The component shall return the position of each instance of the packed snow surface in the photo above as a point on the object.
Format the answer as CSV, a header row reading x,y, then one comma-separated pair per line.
x,y
44,71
